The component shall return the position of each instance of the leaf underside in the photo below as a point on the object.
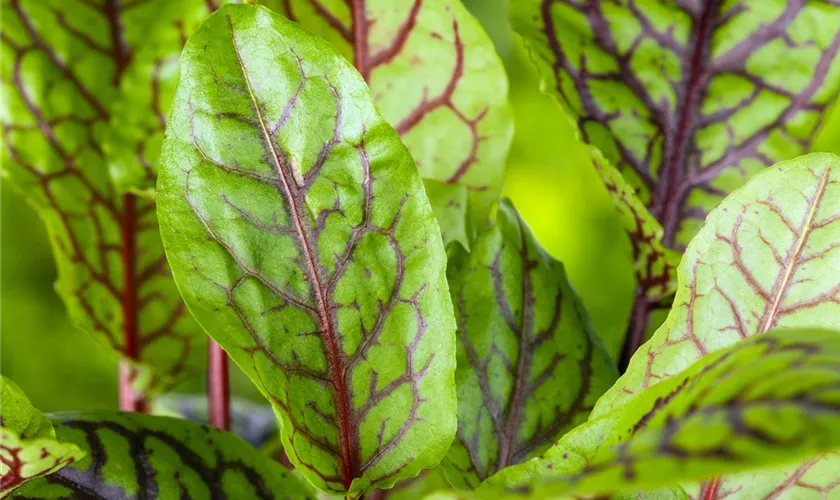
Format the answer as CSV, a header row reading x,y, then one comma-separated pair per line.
x,y
28,446
766,400
529,365
71,68
301,238
436,78
142,456
688,99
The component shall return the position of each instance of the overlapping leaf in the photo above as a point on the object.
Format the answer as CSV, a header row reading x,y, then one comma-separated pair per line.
x,y
142,456
767,400
767,257
529,365
435,76
450,203
28,446
688,99
67,64
301,238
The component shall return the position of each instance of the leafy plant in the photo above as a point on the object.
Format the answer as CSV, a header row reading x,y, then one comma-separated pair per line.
x,y
323,182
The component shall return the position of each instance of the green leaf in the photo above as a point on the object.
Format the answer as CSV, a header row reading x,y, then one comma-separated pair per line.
x,y
450,205
767,257
67,66
301,238
131,455
687,99
28,446
435,76
530,367
766,400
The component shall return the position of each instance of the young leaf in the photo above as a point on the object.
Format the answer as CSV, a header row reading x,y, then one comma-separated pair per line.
x,y
65,64
28,446
767,400
141,456
529,365
435,76
301,238
767,257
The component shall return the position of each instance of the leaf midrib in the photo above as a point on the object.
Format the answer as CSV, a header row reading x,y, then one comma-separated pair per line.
x,y
346,430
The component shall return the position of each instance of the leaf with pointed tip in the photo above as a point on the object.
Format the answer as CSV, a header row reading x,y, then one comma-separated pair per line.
x,y
530,367
767,257
435,76
28,446
130,455
767,400
688,99
64,64
449,202
301,238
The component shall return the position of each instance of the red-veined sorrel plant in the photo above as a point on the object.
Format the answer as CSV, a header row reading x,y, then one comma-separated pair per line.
x,y
324,177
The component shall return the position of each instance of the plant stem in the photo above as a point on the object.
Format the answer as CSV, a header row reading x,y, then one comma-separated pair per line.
x,y
129,401
218,387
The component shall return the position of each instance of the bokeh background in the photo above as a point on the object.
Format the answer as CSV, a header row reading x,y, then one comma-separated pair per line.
x,y
548,177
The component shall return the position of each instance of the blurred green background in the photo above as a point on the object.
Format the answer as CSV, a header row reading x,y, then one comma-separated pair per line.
x,y
548,177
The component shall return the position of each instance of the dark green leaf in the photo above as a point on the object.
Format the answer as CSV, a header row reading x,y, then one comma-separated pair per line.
x,y
141,456
28,446
767,400
301,238
529,365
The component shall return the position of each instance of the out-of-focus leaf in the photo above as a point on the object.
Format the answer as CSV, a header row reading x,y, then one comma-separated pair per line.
x,y
688,99
300,236
28,446
435,76
253,422
67,66
449,203
767,400
530,367
141,456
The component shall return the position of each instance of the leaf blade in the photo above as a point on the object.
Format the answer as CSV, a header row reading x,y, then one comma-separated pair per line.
x,y
529,362
341,243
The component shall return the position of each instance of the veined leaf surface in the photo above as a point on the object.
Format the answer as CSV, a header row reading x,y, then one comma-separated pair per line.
x,y
28,446
768,257
302,240
688,99
141,456
67,66
766,400
530,367
450,204
435,76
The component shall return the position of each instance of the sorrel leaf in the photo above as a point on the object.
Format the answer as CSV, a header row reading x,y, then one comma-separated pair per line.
x,y
767,257
687,99
66,62
141,456
435,76
767,400
28,446
450,204
530,367
301,238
